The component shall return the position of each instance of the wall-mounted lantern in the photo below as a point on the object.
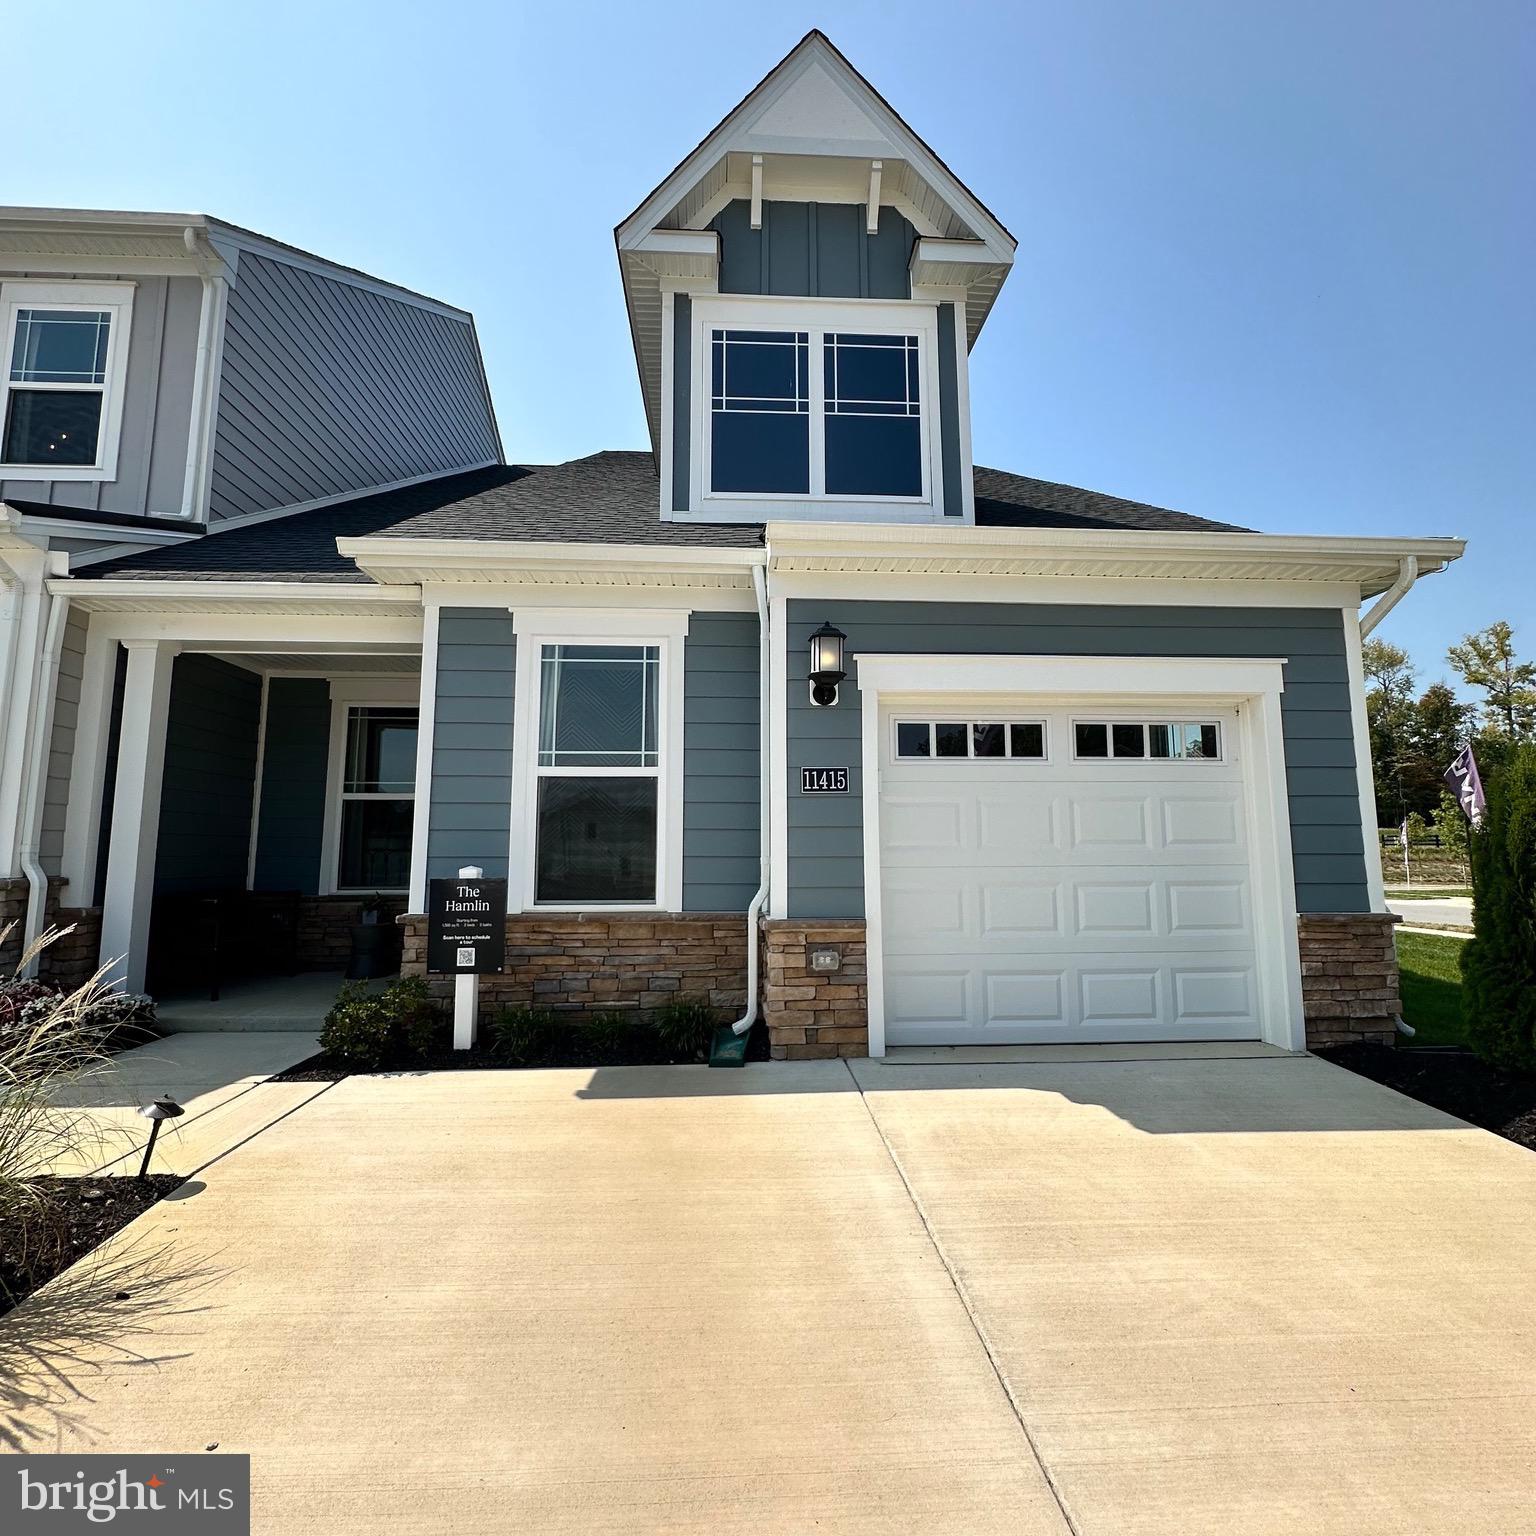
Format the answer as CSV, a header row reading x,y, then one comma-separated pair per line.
x,y
826,664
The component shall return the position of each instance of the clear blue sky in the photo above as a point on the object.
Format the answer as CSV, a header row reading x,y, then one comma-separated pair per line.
x,y
1277,257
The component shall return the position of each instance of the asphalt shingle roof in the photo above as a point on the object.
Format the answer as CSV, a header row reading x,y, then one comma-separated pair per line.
x,y
605,498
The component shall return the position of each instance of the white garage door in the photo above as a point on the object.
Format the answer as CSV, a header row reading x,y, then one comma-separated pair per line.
x,y
1050,874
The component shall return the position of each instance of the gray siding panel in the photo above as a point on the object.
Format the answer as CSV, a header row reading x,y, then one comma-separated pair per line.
x,y
292,816
813,250
682,399
826,866
949,414
328,387
210,774
157,406
61,749
470,816
720,763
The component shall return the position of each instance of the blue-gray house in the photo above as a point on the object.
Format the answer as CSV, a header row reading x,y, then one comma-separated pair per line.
x,y
798,708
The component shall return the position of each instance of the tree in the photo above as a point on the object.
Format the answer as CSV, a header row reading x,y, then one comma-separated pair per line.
x,y
1435,728
1487,661
1388,713
1450,827
1498,965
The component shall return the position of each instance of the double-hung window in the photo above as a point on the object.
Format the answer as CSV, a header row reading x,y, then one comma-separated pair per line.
x,y
378,788
61,382
836,411
598,775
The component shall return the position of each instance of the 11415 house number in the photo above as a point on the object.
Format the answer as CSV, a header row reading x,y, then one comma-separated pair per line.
x,y
823,781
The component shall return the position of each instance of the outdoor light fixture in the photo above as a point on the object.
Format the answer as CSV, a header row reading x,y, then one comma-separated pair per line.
x,y
164,1108
826,664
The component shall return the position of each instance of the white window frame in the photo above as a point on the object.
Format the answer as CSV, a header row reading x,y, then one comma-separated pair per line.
x,y
117,298
1190,717
939,717
373,693
818,318
666,629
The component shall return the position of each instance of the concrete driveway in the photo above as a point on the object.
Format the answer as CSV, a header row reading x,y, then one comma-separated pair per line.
x,y
1124,1296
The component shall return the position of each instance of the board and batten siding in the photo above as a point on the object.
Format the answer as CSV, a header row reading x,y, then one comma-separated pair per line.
x,y
291,825
470,815
157,404
721,850
61,749
328,388
826,854
204,838
469,819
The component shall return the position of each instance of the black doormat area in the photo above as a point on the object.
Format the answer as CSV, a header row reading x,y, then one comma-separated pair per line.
x,y
1457,1082
570,1048
85,1213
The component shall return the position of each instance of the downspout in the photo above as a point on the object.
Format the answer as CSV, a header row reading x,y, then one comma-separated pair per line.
x,y
765,798
1407,574
37,776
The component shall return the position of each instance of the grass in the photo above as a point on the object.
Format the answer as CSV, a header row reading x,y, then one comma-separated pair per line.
x,y
1431,987
1427,892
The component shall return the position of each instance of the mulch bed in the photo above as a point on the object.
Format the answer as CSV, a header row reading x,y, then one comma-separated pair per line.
x,y
573,1049
88,1211
1457,1082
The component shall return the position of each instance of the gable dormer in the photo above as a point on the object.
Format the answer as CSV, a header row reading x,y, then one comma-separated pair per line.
x,y
803,292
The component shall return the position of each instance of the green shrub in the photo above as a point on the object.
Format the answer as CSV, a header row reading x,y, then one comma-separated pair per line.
x,y
523,1035
372,1030
686,1025
1498,965
611,1033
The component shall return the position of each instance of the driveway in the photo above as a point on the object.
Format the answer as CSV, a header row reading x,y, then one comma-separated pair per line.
x,y
1121,1296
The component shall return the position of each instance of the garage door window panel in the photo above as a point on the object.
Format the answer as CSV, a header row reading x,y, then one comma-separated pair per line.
x,y
992,740
1134,740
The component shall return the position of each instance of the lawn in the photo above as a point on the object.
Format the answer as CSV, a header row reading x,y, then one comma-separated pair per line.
x,y
1431,987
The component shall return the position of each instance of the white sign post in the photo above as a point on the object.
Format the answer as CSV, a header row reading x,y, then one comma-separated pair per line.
x,y
466,989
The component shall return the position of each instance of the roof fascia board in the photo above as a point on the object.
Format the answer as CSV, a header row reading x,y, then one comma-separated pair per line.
x,y
391,559
82,590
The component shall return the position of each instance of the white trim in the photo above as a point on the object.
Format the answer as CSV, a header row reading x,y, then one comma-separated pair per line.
x,y
261,763
128,896
114,297
1252,686
426,732
817,318
347,693
777,747
1365,778
83,526
87,769
224,524
536,628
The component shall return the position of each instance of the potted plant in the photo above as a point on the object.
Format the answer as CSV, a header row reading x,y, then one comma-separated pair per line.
x,y
373,947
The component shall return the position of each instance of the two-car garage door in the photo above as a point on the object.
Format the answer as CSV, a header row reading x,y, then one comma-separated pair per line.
x,y
1050,874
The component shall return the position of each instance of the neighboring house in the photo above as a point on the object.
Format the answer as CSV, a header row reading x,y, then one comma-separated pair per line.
x,y
1097,770
161,376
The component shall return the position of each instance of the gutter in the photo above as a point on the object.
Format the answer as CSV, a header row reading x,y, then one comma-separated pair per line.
x,y
1407,574
730,1045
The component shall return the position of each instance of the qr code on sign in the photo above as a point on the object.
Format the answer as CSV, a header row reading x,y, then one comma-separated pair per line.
x,y
466,955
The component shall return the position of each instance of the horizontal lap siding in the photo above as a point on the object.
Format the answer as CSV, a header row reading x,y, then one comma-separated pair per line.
x,y
721,861
210,775
327,388
469,819
826,865
294,766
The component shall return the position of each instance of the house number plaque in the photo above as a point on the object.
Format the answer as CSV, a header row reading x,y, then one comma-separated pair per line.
x,y
823,781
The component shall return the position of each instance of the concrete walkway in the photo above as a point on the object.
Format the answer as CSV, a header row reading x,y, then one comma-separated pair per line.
x,y
220,1080
1101,1297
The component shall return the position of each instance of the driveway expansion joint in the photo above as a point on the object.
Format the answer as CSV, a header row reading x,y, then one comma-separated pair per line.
x,y
977,1326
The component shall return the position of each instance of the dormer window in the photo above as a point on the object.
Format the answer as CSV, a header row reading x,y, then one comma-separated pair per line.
x,y
61,383
828,405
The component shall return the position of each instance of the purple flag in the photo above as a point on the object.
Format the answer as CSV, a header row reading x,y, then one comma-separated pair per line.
x,y
1467,785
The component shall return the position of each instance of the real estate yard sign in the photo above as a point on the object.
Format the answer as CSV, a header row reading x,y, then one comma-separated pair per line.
x,y
466,926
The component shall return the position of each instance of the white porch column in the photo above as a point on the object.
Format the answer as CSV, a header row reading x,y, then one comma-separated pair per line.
x,y
130,881
24,615
88,765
